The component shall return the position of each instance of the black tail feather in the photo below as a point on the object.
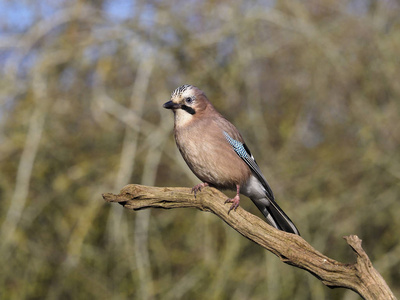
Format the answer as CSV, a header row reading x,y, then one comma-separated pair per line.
x,y
275,215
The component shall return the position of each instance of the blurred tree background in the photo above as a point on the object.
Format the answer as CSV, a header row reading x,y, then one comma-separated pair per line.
x,y
314,87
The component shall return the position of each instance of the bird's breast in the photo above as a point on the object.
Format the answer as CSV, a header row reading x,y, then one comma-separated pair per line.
x,y
210,156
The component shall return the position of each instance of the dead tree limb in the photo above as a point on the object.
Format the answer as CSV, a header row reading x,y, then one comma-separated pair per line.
x,y
360,276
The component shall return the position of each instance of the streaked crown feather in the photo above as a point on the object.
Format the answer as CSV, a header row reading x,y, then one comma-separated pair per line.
x,y
178,91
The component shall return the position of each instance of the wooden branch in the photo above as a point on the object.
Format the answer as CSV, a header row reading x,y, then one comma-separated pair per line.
x,y
360,277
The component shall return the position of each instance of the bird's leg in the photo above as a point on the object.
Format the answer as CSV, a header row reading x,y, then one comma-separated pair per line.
x,y
198,187
235,200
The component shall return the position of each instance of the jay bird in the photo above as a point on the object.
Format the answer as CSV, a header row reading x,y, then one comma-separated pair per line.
x,y
216,153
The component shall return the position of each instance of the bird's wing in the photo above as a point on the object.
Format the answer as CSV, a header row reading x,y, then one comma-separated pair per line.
x,y
244,153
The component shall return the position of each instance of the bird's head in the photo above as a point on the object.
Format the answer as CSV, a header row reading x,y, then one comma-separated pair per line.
x,y
187,102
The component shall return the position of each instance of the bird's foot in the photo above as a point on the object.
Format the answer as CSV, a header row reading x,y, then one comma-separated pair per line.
x,y
198,187
235,202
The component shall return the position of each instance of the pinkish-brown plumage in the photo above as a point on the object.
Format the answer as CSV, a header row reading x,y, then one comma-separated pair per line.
x,y
198,146
216,153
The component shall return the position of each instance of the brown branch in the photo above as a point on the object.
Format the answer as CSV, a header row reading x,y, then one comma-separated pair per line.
x,y
360,277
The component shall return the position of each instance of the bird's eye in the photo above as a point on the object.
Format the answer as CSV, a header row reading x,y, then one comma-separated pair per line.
x,y
189,100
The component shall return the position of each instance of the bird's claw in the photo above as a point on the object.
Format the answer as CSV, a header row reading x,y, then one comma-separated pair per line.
x,y
235,203
198,187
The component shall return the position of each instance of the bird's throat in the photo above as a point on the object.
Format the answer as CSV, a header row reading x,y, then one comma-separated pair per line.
x,y
182,118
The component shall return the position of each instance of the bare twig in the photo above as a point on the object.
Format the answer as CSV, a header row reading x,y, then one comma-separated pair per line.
x,y
25,167
360,277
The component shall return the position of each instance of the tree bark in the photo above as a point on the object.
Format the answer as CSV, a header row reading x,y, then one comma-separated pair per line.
x,y
360,276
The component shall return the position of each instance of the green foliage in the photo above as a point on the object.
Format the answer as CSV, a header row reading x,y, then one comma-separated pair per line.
x,y
313,87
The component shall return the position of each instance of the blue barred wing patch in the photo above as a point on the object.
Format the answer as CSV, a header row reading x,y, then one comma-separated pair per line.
x,y
237,146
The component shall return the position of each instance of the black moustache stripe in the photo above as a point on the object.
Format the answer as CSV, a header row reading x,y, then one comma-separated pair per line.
x,y
188,109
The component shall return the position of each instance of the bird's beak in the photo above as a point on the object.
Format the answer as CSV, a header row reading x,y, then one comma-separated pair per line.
x,y
171,105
